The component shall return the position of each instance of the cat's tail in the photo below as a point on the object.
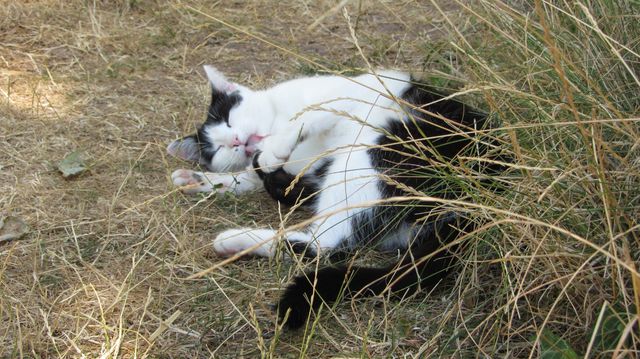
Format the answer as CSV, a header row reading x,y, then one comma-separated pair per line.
x,y
423,266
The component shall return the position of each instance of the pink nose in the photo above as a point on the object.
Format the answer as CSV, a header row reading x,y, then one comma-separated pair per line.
x,y
236,142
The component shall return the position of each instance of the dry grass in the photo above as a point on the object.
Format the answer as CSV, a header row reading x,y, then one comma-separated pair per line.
x,y
103,271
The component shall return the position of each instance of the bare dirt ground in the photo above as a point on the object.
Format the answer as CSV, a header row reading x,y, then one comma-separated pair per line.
x,y
105,264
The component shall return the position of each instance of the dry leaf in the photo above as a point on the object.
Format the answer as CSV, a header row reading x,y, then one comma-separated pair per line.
x,y
73,164
11,228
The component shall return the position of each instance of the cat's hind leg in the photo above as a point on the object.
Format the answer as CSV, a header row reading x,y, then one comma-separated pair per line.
x,y
261,242
324,234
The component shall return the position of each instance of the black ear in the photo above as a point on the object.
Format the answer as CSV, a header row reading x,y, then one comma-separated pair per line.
x,y
186,148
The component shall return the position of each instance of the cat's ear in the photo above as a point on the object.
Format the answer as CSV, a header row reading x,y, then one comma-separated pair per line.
x,y
218,81
186,148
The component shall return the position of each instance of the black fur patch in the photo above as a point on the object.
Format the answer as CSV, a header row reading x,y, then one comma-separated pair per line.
x,y
408,162
221,104
219,108
256,164
277,182
207,149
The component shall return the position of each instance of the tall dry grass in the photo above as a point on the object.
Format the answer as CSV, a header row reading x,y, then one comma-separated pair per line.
x,y
560,265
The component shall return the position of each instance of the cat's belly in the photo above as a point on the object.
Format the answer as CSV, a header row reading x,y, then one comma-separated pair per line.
x,y
350,187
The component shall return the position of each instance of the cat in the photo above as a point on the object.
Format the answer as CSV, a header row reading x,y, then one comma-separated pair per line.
x,y
349,148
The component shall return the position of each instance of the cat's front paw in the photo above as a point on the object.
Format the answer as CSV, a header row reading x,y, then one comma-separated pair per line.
x,y
191,182
276,151
268,161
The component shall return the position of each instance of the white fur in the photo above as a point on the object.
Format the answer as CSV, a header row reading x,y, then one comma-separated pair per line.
x,y
260,242
333,114
218,80
195,182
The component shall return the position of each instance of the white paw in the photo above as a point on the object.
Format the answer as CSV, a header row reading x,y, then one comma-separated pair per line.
x,y
276,150
233,241
269,162
195,182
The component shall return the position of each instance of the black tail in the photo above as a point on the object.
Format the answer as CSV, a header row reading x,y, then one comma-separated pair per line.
x,y
327,285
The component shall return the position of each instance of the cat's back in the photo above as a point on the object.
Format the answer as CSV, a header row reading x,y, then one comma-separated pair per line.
x,y
385,81
322,88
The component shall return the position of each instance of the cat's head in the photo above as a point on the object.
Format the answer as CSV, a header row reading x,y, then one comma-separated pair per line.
x,y
228,138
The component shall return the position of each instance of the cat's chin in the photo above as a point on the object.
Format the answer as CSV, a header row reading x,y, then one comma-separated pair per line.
x,y
237,165
227,160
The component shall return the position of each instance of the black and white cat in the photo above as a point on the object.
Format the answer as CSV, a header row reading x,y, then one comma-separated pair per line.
x,y
348,147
